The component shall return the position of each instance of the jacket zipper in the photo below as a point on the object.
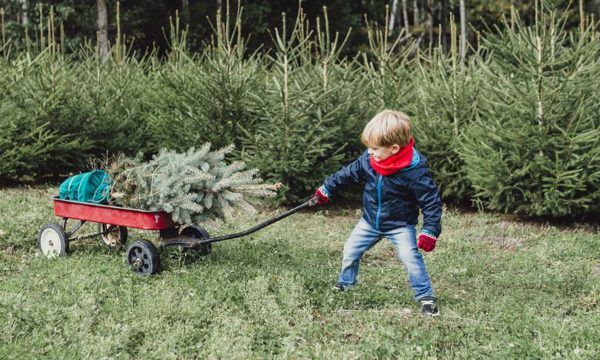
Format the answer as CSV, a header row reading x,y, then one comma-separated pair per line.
x,y
378,202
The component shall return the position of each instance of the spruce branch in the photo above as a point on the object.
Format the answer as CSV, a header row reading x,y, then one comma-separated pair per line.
x,y
192,186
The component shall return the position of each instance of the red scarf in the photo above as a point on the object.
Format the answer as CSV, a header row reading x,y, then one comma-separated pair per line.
x,y
395,162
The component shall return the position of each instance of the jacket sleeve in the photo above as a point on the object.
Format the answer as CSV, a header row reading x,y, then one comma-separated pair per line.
x,y
428,197
352,173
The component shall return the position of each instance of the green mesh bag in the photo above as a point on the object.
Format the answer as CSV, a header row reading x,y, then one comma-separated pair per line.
x,y
92,187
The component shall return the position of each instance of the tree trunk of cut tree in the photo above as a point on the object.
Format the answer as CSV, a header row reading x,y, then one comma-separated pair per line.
x,y
102,32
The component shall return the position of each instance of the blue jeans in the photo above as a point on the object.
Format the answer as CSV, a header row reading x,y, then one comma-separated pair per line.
x,y
404,239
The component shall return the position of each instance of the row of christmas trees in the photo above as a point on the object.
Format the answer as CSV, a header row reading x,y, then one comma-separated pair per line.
x,y
515,128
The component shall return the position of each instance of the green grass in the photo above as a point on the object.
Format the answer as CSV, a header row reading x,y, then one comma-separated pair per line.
x,y
506,289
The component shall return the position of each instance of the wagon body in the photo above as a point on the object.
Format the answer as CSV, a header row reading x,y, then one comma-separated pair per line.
x,y
141,255
113,215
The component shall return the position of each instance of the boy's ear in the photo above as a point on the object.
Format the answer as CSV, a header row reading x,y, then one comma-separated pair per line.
x,y
395,148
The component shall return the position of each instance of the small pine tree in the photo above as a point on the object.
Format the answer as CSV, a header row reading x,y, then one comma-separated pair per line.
x,y
192,186
38,137
389,66
446,101
536,148
207,97
299,137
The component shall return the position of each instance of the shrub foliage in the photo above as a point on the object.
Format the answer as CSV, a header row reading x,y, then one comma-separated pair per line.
x,y
514,127
536,147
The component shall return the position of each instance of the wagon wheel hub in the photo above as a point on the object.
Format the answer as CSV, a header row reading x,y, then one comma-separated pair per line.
x,y
137,262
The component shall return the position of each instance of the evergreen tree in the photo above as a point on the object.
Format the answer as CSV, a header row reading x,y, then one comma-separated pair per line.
x,y
191,186
208,97
446,100
300,136
38,135
389,64
536,148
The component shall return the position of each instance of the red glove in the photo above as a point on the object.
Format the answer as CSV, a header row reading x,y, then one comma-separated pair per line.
x,y
426,241
323,195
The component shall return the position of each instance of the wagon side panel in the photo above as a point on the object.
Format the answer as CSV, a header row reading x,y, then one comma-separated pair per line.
x,y
146,220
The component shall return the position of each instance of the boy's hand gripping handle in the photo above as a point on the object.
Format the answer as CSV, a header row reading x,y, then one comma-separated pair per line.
x,y
322,195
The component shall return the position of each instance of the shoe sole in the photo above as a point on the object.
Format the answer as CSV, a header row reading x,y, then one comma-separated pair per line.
x,y
431,315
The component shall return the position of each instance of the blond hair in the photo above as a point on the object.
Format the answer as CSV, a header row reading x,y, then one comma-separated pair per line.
x,y
386,129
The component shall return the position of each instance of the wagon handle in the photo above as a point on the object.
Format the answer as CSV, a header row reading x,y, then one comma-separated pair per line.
x,y
313,201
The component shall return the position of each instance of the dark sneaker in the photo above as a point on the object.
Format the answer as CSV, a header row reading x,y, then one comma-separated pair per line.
x,y
429,306
338,287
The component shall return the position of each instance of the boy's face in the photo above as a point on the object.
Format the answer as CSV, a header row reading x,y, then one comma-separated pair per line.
x,y
381,153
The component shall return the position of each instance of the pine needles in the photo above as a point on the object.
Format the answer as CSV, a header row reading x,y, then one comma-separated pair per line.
x,y
192,186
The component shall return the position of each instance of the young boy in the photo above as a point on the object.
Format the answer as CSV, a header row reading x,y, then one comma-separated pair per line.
x,y
397,184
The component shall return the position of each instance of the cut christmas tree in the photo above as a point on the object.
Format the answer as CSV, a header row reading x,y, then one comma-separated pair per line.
x,y
193,186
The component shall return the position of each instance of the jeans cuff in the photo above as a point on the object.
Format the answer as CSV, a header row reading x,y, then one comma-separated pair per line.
x,y
346,285
421,297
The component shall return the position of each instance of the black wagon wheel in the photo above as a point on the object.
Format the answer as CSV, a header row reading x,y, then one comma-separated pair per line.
x,y
143,258
52,241
197,232
113,236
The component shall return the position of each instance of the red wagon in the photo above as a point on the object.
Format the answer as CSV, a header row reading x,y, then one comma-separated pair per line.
x,y
141,255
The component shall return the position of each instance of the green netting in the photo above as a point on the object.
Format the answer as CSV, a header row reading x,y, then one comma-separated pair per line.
x,y
93,187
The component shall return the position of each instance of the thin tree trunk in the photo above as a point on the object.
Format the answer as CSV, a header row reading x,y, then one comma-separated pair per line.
x,y
24,14
103,46
430,20
405,15
444,23
3,30
581,18
463,31
417,20
393,16
185,11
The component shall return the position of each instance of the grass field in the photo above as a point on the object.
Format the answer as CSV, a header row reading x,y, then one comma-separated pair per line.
x,y
506,289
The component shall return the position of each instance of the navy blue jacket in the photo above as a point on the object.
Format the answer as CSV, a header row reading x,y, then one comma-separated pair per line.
x,y
393,201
